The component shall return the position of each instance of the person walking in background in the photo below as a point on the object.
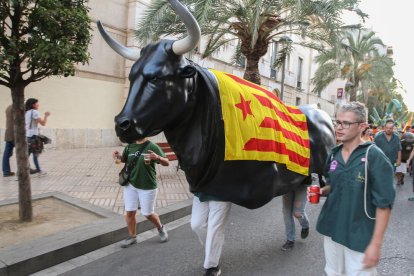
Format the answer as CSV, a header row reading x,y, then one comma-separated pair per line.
x,y
355,215
389,142
208,220
407,145
33,119
142,187
294,204
411,169
366,135
9,142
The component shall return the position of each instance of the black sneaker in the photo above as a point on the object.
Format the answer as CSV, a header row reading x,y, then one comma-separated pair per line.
x,y
304,233
213,271
288,245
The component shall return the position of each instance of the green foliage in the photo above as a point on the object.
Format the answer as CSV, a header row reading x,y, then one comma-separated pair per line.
x,y
255,23
41,38
355,58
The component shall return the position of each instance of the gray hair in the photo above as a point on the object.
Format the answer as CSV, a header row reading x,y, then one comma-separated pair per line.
x,y
357,108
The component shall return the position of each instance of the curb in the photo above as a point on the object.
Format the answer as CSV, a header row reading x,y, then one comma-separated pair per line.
x,y
44,252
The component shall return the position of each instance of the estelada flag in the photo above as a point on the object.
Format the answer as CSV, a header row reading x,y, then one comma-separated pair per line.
x,y
258,126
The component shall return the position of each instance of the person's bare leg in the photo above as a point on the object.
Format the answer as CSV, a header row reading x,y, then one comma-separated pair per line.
x,y
155,219
131,223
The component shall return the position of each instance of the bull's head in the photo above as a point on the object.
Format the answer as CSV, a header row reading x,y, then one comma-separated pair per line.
x,y
160,81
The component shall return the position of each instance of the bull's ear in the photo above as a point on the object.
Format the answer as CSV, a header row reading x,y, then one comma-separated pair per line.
x,y
187,71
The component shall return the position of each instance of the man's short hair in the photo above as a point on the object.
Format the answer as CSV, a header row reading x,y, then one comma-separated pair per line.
x,y
357,108
389,121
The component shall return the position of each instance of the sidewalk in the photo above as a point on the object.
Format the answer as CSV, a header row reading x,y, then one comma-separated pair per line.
x,y
91,175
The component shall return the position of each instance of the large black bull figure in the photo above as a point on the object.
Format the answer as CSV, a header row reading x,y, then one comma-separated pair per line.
x,y
170,93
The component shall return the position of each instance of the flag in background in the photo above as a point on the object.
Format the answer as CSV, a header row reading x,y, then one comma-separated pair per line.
x,y
258,126
408,124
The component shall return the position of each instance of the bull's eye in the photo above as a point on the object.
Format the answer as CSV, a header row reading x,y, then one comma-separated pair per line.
x,y
155,80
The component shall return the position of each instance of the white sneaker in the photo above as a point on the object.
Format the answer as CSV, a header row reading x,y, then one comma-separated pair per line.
x,y
128,242
42,173
163,234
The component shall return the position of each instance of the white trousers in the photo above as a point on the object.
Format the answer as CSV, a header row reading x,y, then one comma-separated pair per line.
x,y
341,260
208,221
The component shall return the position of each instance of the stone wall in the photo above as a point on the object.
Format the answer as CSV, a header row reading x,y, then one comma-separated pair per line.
x,y
82,138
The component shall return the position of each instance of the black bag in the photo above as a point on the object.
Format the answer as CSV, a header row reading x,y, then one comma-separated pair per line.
x,y
44,139
35,145
126,170
36,142
123,177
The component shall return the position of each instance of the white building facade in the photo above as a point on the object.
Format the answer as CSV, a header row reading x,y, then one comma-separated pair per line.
x,y
83,107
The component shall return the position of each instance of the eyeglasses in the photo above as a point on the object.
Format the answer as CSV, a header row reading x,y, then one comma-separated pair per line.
x,y
345,124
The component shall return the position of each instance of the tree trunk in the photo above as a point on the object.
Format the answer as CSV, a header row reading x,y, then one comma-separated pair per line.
x,y
252,69
25,193
354,89
352,95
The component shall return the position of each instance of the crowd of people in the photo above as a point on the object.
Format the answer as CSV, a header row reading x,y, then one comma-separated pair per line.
x,y
361,176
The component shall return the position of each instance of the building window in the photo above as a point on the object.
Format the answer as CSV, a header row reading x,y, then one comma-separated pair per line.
x,y
297,101
299,80
273,60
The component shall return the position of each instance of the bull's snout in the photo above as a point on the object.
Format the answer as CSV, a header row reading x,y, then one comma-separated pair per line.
x,y
124,124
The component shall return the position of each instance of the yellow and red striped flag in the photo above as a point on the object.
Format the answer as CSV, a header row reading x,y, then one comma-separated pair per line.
x,y
258,126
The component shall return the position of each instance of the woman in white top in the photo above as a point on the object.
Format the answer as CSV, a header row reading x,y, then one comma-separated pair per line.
x,y
33,120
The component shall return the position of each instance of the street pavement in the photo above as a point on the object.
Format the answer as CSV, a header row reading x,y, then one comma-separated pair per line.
x,y
91,175
253,237
253,241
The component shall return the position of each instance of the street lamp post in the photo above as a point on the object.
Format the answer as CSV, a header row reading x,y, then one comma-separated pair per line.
x,y
283,39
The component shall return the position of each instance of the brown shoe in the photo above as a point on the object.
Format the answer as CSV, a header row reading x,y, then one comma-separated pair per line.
x,y
33,171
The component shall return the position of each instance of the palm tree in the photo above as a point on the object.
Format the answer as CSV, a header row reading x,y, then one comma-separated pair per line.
x,y
356,59
253,23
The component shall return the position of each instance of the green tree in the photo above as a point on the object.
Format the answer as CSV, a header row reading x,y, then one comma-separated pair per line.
x,y
253,23
40,38
356,59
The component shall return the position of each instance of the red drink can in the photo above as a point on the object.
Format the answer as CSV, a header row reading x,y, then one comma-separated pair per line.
x,y
314,199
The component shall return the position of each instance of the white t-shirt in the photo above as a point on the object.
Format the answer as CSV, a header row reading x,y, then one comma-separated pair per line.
x,y
31,117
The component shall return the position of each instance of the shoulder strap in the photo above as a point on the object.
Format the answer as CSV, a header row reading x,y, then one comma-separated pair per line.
x,y
137,155
366,182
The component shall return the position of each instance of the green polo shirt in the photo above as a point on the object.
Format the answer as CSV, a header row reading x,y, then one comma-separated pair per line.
x,y
391,147
342,216
143,176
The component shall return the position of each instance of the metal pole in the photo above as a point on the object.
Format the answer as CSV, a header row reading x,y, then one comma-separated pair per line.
x,y
282,83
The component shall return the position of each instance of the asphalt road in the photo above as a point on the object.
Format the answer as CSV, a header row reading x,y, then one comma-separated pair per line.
x,y
253,241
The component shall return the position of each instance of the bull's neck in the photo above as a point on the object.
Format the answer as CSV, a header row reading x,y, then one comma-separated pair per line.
x,y
198,127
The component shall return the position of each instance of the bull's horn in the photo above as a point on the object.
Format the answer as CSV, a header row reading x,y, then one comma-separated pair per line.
x,y
128,53
189,42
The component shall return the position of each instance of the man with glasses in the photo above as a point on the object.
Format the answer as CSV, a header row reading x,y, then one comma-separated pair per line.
x,y
389,142
353,219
